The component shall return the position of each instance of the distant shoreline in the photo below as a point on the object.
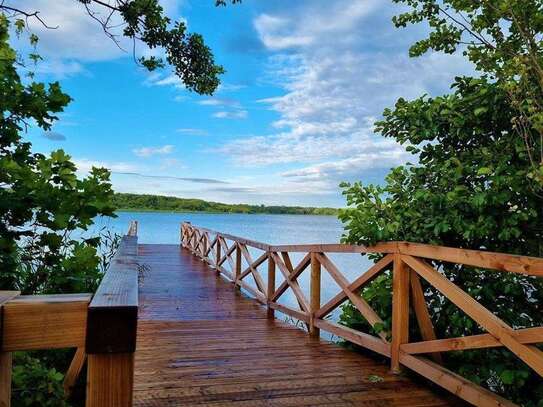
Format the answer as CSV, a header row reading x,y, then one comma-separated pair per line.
x,y
218,212
169,204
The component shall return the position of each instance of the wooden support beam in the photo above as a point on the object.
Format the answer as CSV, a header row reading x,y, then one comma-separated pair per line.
x,y
45,322
271,285
400,311
315,294
73,371
5,357
110,380
237,269
218,255
481,341
5,378
530,354
361,305
423,315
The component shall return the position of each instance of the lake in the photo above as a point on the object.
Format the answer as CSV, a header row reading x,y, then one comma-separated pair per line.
x,y
160,227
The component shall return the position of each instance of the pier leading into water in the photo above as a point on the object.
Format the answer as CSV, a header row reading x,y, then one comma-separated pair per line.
x,y
203,323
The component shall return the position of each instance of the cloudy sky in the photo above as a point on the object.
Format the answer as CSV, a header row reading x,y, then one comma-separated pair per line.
x,y
293,117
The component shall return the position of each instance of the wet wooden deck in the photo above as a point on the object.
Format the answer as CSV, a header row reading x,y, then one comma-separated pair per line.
x,y
200,342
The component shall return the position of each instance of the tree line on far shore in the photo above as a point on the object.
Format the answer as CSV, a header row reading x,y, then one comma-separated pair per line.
x,y
143,202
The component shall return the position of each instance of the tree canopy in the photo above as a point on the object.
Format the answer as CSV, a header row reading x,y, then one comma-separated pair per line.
x,y
474,182
46,210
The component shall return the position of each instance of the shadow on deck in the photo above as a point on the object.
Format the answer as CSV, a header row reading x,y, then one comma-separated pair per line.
x,y
201,342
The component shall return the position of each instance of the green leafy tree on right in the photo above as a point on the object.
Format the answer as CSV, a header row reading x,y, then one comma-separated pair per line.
x,y
474,184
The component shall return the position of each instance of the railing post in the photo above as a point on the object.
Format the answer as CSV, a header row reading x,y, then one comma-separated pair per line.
x,y
315,293
271,284
5,378
218,254
400,310
112,330
204,245
237,272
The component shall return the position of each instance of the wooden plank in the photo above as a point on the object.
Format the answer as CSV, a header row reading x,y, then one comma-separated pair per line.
x,y
217,254
201,343
5,357
526,336
477,258
315,292
355,286
532,356
299,269
300,315
252,266
292,283
257,294
256,275
45,322
454,383
361,305
5,378
352,335
271,284
384,247
422,314
110,380
73,371
113,312
237,266
227,253
237,239
400,311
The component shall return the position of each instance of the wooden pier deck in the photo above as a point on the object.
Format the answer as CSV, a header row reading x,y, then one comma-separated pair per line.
x,y
202,342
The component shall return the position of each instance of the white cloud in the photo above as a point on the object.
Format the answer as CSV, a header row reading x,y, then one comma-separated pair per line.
x,y
219,102
158,79
84,165
79,38
150,151
339,65
192,132
235,114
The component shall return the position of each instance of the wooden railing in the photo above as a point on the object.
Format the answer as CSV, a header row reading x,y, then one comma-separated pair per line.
x,y
102,328
407,262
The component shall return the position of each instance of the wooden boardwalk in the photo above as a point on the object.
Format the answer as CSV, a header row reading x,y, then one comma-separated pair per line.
x,y
200,342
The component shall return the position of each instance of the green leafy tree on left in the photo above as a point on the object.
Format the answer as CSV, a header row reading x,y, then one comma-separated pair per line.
x,y
43,204
41,200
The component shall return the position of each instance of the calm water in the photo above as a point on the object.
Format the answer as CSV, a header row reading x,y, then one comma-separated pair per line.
x,y
274,229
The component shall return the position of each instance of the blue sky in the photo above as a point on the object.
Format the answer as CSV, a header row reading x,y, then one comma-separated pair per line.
x,y
293,117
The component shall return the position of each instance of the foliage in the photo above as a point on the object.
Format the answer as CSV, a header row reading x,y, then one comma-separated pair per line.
x,y
169,203
35,383
470,189
503,40
41,200
45,209
479,151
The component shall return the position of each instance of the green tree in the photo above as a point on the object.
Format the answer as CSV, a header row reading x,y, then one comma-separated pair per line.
x,y
44,206
503,40
475,181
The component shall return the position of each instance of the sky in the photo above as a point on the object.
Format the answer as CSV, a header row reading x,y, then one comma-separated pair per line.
x,y
293,117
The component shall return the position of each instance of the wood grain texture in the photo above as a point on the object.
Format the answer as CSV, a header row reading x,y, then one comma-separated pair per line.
x,y
45,322
5,357
112,314
73,371
400,310
200,342
110,380
5,378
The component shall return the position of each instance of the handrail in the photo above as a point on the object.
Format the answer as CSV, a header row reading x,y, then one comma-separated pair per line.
x,y
407,262
102,327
